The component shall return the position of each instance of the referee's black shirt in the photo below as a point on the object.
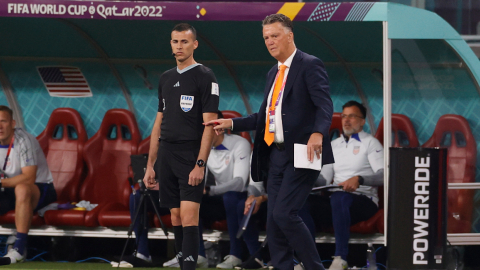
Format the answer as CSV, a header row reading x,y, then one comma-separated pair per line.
x,y
183,97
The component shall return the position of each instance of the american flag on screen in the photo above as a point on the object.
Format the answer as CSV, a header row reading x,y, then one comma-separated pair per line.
x,y
65,81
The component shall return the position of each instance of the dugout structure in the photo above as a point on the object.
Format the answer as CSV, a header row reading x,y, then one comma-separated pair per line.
x,y
393,58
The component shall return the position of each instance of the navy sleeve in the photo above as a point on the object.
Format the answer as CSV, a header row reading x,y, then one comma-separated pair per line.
x,y
245,123
317,83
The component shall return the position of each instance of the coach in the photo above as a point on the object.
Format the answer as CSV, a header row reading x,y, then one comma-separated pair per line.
x,y
296,109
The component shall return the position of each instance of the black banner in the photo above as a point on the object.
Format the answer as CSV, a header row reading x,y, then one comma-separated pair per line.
x,y
417,205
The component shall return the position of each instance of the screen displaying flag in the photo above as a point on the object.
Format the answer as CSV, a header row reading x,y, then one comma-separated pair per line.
x,y
65,81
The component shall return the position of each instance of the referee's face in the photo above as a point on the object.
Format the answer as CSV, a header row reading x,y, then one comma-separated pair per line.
x,y
183,45
7,126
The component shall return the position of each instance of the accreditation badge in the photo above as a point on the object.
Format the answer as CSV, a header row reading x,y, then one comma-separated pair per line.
x,y
271,125
186,103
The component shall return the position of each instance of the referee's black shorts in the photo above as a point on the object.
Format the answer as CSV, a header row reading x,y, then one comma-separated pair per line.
x,y
173,167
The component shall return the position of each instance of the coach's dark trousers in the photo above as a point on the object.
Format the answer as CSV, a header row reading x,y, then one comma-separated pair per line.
x,y
288,189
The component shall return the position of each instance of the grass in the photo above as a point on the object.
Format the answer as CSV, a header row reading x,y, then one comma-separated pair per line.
x,y
68,265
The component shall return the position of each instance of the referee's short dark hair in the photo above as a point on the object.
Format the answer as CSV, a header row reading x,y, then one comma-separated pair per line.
x,y
284,20
4,108
185,27
360,106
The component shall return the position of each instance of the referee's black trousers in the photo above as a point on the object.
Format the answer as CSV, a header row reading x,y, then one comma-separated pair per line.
x,y
288,189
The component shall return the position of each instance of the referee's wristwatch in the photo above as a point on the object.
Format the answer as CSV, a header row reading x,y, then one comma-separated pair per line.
x,y
201,163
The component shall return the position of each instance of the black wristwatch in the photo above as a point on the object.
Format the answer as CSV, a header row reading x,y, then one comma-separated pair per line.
x,y
201,163
360,180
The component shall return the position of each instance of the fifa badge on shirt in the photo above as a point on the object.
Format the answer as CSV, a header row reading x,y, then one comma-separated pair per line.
x,y
186,103
356,150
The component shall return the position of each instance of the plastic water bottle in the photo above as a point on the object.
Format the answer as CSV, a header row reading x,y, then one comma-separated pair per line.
x,y
371,260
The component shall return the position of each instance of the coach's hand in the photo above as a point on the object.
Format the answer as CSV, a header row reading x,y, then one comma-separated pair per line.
x,y
196,176
149,179
314,146
220,124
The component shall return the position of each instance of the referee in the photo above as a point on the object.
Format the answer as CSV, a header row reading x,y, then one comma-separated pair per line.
x,y
188,95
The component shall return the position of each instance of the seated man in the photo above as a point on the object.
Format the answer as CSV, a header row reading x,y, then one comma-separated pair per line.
x,y
26,181
229,162
358,169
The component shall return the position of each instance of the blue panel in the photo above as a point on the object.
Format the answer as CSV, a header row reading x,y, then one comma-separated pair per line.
x,y
37,105
3,98
404,22
377,13
42,37
253,81
230,98
424,91
145,100
467,55
342,90
370,79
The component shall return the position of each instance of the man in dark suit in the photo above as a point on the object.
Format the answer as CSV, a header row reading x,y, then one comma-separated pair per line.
x,y
296,109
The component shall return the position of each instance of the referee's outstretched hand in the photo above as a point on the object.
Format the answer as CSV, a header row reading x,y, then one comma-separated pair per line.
x,y
220,124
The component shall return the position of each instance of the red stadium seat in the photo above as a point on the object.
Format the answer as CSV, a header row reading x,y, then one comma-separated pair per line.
x,y
144,146
453,131
120,216
404,135
62,142
107,155
403,132
336,128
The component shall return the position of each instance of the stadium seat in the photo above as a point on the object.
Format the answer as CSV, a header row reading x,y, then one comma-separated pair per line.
x,y
336,128
403,132
144,146
403,135
453,131
62,142
375,223
120,215
107,155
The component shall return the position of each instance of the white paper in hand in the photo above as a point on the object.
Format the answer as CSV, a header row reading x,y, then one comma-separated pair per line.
x,y
300,158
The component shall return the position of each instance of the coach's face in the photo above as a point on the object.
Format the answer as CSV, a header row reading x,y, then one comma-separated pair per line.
x,y
279,40
7,127
352,120
183,44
